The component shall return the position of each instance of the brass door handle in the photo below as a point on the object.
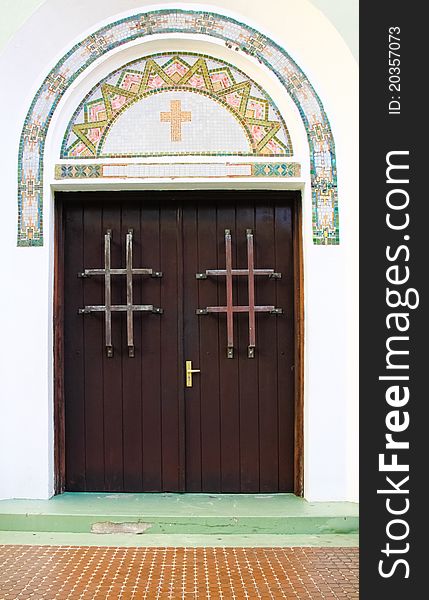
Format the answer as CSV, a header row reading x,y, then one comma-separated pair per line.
x,y
189,371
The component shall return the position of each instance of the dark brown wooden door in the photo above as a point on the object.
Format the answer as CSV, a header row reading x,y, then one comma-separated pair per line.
x,y
130,423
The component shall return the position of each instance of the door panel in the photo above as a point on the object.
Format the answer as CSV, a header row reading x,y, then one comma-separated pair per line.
x,y
130,423
122,414
240,418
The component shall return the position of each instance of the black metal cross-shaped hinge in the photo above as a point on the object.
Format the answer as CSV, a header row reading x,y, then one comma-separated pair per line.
x,y
230,309
129,307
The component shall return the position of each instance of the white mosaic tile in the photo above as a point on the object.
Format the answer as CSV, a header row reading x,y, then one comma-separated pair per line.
x,y
175,123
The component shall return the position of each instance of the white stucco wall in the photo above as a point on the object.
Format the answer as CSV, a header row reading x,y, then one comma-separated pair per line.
x,y
26,423
343,15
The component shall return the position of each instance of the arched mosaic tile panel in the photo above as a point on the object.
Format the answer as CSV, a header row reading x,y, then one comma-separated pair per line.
x,y
235,34
208,106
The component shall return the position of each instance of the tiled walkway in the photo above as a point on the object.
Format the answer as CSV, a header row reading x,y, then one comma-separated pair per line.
x,y
106,573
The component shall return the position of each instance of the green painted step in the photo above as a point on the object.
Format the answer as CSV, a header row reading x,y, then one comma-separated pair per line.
x,y
186,514
175,540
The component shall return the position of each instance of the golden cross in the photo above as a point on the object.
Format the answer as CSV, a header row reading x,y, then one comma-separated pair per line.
x,y
176,117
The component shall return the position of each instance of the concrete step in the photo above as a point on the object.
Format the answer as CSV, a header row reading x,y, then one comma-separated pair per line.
x,y
176,540
184,514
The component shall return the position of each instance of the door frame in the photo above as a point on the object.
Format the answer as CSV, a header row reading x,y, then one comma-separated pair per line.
x,y
58,347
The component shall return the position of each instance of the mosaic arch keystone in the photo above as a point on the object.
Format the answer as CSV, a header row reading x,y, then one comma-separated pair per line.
x,y
239,35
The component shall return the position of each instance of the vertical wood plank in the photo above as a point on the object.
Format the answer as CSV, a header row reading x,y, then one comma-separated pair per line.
x,y
180,349
113,367
266,348
228,369
169,343
285,345
132,367
209,357
191,324
58,334
248,368
94,348
74,349
151,352
299,346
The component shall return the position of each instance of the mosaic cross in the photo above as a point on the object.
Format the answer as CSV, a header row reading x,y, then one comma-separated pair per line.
x,y
176,117
230,309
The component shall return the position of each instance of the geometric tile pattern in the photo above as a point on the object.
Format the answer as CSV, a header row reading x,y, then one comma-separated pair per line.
x,y
276,169
176,170
245,103
234,34
109,573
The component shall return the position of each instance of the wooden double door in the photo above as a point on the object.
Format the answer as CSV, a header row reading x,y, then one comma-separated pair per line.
x,y
131,424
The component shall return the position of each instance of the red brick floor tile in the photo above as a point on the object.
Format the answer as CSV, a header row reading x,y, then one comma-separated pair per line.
x,y
105,573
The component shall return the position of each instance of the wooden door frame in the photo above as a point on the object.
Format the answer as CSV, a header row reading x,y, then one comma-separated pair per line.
x,y
58,338
298,267
58,348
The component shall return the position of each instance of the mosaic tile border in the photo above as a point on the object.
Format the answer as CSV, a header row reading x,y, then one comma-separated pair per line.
x,y
141,70
175,170
236,35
